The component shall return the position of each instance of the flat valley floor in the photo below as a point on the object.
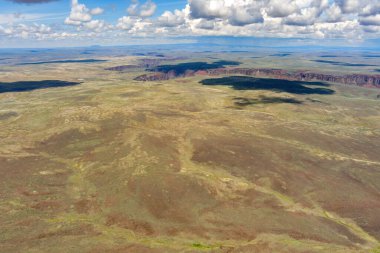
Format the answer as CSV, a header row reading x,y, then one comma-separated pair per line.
x,y
95,162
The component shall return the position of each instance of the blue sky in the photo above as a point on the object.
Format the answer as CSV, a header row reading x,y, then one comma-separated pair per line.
x,y
111,22
58,10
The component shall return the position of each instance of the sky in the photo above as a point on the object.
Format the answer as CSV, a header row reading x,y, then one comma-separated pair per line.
x,y
45,23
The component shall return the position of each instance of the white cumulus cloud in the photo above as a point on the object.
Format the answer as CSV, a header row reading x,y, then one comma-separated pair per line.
x,y
81,17
145,10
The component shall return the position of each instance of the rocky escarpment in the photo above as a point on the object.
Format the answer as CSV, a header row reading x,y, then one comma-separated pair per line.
x,y
123,68
161,76
354,79
350,79
144,63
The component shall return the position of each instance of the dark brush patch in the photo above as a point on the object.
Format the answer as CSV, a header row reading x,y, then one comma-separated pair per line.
x,y
23,86
123,68
276,85
8,115
315,101
281,55
337,63
182,68
242,101
223,63
149,63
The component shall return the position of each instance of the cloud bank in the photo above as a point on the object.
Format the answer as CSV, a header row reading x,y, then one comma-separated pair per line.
x,y
348,19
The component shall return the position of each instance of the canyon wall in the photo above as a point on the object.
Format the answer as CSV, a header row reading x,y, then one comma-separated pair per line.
x,y
350,79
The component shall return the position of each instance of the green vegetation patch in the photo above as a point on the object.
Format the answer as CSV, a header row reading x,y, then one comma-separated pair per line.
x,y
201,246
